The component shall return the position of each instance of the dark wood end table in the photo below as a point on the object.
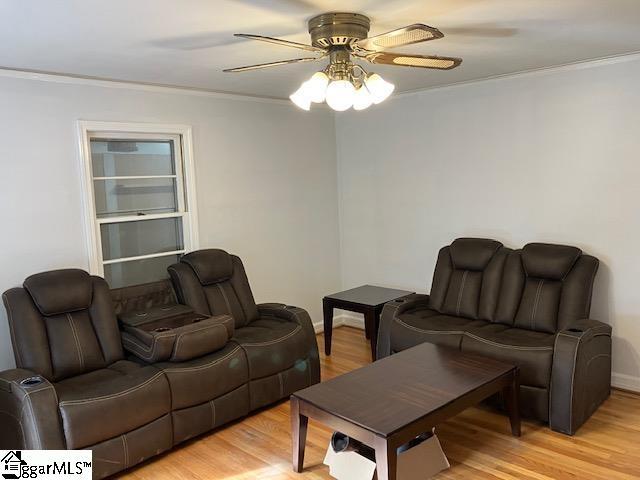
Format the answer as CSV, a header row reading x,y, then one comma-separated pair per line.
x,y
389,402
368,300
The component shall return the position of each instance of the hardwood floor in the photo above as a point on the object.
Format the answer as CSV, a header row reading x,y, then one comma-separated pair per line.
x,y
477,442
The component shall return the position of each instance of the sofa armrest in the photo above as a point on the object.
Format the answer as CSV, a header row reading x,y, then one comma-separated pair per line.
x,y
29,412
581,374
301,317
390,312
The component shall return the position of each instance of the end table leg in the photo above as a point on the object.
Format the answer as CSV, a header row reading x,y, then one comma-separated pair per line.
x,y
299,425
327,310
512,403
386,460
370,319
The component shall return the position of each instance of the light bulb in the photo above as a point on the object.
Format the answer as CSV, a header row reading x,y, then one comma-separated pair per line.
x,y
301,99
316,87
380,89
340,95
362,99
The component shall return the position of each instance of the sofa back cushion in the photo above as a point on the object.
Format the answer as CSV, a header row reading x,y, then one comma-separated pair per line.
x,y
546,287
214,282
63,324
466,281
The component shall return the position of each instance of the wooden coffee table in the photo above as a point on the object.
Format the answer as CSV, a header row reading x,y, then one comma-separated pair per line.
x,y
391,401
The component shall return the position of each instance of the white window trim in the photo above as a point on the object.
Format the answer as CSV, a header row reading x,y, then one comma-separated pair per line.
x,y
123,129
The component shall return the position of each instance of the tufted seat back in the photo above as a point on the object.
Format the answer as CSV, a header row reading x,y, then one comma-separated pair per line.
x,y
466,281
214,282
546,287
62,324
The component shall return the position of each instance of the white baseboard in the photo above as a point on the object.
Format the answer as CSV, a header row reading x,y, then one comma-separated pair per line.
x,y
625,382
343,319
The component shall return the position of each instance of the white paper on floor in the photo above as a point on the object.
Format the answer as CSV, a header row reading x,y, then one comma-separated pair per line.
x,y
418,463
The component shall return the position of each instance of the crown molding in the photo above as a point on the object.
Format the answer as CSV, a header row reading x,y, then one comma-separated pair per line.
x,y
55,77
72,79
565,67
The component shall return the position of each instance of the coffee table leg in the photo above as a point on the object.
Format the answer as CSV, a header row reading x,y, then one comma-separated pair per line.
x,y
386,459
327,311
299,425
512,403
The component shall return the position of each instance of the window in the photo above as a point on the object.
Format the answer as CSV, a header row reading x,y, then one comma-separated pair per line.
x,y
139,200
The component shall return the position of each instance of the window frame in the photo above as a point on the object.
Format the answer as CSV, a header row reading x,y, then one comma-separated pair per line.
x,y
184,177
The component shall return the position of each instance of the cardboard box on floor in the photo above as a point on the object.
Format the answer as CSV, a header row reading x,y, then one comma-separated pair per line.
x,y
421,462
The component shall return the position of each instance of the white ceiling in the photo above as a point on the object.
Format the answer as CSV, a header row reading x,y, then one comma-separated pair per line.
x,y
188,42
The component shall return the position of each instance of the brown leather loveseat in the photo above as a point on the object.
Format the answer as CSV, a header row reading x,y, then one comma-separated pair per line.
x,y
76,387
528,307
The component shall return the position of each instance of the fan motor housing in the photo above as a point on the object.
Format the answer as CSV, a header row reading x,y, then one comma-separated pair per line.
x,y
338,29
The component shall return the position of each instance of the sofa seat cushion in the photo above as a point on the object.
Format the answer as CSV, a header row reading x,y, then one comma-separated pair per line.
x,y
421,325
106,403
206,378
272,345
532,351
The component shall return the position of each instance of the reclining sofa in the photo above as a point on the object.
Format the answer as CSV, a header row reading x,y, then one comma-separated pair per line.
x,y
131,373
528,307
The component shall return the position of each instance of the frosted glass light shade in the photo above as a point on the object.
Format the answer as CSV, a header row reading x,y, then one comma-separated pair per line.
x,y
379,88
301,98
362,99
340,95
316,87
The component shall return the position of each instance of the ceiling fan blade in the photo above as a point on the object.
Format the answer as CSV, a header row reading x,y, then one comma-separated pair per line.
x,y
415,33
419,61
272,64
279,41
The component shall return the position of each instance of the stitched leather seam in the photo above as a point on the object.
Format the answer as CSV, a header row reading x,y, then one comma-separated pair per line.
x,y
573,370
597,356
202,367
11,331
461,291
27,395
208,327
115,395
507,346
138,349
273,342
224,296
436,332
150,352
535,305
33,423
77,341
126,451
212,406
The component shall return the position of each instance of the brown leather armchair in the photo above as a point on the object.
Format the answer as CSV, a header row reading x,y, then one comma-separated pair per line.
x,y
528,307
73,388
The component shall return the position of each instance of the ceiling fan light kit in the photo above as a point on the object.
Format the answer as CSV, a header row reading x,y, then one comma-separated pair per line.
x,y
344,84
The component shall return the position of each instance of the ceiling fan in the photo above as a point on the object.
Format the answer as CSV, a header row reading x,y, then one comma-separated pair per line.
x,y
344,84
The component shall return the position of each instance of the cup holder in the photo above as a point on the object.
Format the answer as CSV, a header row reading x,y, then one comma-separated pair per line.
x,y
31,381
161,329
197,320
166,309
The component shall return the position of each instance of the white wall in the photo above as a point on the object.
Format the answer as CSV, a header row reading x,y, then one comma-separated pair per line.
x,y
266,183
551,156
